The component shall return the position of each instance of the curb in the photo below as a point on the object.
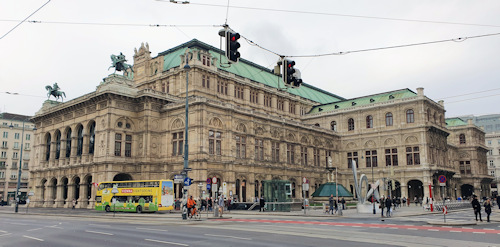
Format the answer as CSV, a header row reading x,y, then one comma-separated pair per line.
x,y
451,223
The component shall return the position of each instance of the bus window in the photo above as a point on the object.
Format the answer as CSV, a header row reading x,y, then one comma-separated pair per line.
x,y
98,199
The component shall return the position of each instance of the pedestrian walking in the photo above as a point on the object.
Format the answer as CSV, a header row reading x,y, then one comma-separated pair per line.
x,y
404,201
221,205
262,204
73,203
388,204
416,201
498,201
382,206
487,209
343,203
210,204
331,201
477,207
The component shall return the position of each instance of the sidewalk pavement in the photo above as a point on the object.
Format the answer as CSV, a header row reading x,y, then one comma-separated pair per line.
x,y
348,213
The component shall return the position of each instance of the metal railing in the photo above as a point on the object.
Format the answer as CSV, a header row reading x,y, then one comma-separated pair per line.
x,y
452,205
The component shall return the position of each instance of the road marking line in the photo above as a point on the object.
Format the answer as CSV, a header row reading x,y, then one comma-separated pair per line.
x,y
164,242
224,236
55,226
466,227
446,226
355,226
5,234
33,238
21,224
99,225
479,232
488,229
324,224
103,233
433,230
392,227
455,231
412,228
34,229
149,229
3,231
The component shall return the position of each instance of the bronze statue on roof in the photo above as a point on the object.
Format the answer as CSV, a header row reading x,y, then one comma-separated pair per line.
x,y
118,62
54,91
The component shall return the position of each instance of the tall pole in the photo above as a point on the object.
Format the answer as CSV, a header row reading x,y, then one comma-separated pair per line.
x,y
186,143
19,171
373,195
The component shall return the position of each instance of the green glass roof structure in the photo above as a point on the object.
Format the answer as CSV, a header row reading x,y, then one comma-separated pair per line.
x,y
454,122
365,100
325,190
247,69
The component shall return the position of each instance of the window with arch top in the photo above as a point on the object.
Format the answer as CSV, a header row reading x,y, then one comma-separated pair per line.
x,y
333,125
388,119
369,122
461,138
350,124
410,116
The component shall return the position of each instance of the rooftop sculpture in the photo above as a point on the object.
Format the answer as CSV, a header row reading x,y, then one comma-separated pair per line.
x,y
118,62
54,91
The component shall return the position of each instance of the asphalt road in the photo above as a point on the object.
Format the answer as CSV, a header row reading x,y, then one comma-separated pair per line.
x,y
239,230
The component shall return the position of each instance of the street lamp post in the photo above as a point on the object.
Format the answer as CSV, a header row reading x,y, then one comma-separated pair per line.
x,y
373,195
19,171
186,143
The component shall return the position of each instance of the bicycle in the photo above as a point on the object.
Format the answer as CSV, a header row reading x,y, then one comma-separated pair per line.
x,y
194,213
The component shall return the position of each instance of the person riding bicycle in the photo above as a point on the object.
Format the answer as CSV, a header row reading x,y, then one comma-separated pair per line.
x,y
191,206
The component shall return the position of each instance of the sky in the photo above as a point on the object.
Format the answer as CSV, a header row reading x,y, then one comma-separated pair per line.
x,y
71,42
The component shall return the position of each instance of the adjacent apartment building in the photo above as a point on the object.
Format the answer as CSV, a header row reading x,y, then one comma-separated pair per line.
x,y
491,125
15,149
246,127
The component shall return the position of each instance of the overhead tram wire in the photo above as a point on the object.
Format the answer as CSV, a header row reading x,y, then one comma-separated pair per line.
x,y
342,15
24,19
456,96
476,98
111,24
461,39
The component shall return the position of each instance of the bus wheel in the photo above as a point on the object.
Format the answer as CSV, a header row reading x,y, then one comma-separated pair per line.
x,y
107,208
138,209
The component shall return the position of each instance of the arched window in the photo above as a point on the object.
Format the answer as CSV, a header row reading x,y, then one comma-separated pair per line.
x,y
350,124
410,116
92,138
68,143
388,119
47,149
58,144
79,143
369,122
333,125
461,138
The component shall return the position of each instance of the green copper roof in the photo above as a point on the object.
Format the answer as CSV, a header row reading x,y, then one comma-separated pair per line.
x,y
454,122
366,100
247,69
325,190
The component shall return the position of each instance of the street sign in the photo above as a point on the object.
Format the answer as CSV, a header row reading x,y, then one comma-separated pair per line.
x,y
305,187
209,181
442,180
179,178
187,181
445,210
209,186
304,180
214,180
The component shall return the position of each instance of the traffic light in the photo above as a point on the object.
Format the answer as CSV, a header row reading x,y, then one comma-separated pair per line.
x,y
232,46
291,76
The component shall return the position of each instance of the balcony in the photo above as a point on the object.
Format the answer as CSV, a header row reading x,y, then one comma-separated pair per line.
x,y
5,147
13,177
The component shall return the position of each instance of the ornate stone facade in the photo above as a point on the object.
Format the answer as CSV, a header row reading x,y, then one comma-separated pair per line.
x,y
243,129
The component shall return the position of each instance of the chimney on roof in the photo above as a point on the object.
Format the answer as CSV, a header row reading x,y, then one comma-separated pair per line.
x,y
420,91
469,121
441,103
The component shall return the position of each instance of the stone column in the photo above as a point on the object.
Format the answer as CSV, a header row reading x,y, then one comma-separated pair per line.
x,y
74,143
85,148
427,193
59,201
62,156
83,200
404,190
38,200
71,195
49,196
260,99
286,106
52,157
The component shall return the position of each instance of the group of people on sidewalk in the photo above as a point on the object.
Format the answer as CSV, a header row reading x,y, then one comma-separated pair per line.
x,y
476,205
334,207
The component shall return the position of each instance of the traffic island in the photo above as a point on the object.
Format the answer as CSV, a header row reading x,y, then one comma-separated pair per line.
x,y
453,223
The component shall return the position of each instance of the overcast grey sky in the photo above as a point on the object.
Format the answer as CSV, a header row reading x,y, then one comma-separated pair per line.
x,y
76,55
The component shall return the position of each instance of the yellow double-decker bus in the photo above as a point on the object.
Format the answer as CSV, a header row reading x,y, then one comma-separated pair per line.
x,y
135,196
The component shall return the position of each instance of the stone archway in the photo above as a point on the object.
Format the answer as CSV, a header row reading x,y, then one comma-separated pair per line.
x,y
122,177
467,190
415,189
